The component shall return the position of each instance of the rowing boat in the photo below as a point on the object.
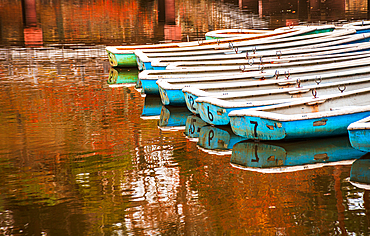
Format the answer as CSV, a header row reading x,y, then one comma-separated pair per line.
x,y
319,116
159,60
234,33
289,156
124,56
215,110
172,91
148,78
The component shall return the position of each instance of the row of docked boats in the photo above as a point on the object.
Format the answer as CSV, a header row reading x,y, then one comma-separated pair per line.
x,y
290,83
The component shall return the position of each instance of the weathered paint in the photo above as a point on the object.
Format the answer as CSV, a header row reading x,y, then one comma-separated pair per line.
x,y
268,129
360,139
295,153
122,60
173,97
149,86
213,114
359,134
190,102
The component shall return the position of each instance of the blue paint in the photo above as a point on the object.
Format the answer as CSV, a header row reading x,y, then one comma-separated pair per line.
x,y
159,67
268,129
147,66
149,86
360,139
190,102
213,114
293,153
173,97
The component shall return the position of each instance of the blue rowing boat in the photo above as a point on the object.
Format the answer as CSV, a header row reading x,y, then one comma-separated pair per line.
x,y
319,116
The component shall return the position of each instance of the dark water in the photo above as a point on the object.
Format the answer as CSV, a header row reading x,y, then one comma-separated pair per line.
x,y
82,152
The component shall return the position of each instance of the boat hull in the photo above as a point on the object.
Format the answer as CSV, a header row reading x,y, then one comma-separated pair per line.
x,y
254,127
213,114
172,97
359,134
122,60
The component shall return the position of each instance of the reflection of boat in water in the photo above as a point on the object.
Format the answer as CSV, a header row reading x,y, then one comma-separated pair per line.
x,y
217,140
152,107
193,126
123,77
360,172
173,118
278,157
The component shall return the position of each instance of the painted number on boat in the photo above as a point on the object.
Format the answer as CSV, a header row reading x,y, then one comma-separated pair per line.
x,y
191,102
210,115
255,127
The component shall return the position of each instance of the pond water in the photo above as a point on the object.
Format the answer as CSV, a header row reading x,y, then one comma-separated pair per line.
x,y
83,152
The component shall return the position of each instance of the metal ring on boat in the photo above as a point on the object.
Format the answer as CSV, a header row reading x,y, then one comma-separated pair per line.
x,y
342,89
287,75
279,54
318,80
236,49
314,93
243,68
261,67
218,41
254,50
231,45
276,74
250,62
246,55
298,83
200,42
261,61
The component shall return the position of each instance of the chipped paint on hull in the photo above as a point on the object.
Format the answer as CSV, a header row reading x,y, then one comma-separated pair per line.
x,y
268,129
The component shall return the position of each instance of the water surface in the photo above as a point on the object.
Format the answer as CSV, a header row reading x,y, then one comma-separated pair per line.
x,y
83,152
